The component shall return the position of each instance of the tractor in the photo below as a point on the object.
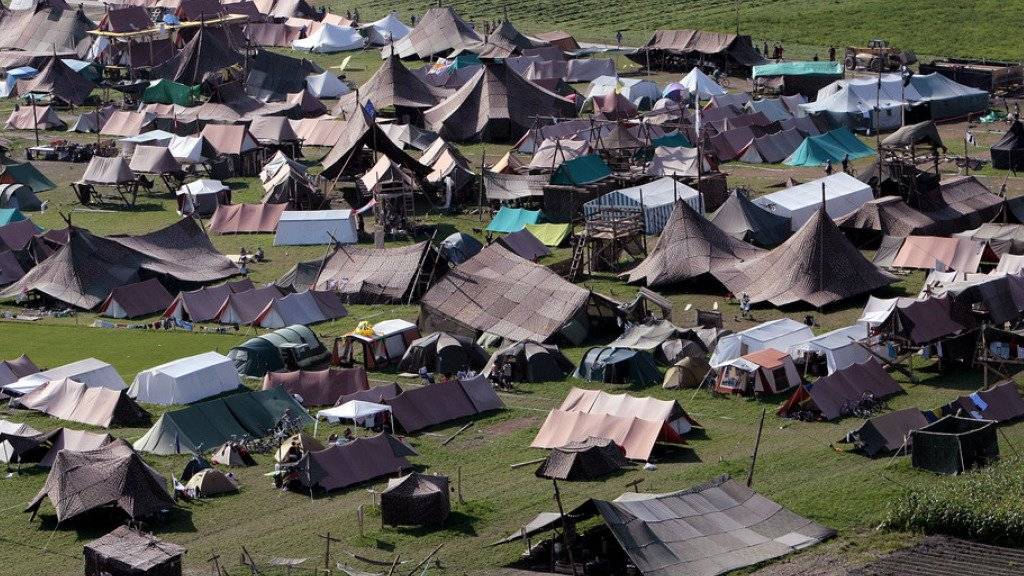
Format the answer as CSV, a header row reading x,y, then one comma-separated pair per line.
x,y
877,57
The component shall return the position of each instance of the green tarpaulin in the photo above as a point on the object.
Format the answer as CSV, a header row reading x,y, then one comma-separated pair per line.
x,y
581,171
509,220
24,173
833,146
550,234
674,140
806,68
168,92
203,426
8,215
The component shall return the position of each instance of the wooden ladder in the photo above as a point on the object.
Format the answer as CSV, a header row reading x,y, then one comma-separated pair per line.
x,y
578,252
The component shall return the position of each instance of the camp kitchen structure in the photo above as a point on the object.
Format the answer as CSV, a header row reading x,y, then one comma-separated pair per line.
x,y
375,346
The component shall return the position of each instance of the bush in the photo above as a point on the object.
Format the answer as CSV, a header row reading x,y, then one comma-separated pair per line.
x,y
983,505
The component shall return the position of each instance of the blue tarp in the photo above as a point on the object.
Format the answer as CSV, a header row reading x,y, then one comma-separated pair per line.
x,y
509,220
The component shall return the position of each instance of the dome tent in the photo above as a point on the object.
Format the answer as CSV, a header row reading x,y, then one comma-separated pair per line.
x,y
442,353
531,362
688,372
416,499
211,482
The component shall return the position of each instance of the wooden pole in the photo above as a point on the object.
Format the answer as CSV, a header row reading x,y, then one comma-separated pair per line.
x,y
480,204
565,526
398,557
427,559
35,120
327,546
757,447
458,485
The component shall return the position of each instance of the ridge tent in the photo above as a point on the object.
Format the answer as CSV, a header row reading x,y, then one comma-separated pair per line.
x,y
12,172
156,160
1000,403
551,235
419,408
306,227
700,84
246,218
459,247
551,153
69,439
798,77
294,346
834,396
524,244
870,104
59,81
43,117
135,300
380,394
245,307
642,93
109,475
772,148
636,436
746,221
373,275
90,122
512,219
767,371
890,216
442,353
656,199
840,347
888,433
439,31
12,370
202,305
355,462
415,500
675,49
302,441
90,371
306,307
588,459
20,443
272,76
126,550
843,194
831,147
387,30
202,197
779,334
197,428
947,99
300,277
961,254
326,85
76,402
129,123
319,387
531,362
618,366
232,454
677,162
1000,238
186,380
164,91
328,39
668,412
689,247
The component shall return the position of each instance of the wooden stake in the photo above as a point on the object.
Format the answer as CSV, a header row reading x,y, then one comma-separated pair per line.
x,y
458,485
427,559
394,565
757,447
565,526
459,431
527,463
327,545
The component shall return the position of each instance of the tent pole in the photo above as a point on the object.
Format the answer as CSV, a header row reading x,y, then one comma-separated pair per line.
x,y
565,527
757,447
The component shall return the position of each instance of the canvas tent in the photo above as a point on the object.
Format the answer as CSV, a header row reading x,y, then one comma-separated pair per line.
x,y
203,425
438,31
75,402
135,300
415,500
840,347
889,216
303,308
43,117
946,99
687,372
509,219
292,346
110,475
364,274
359,132
385,31
689,246
831,147
300,277
686,48
887,433
211,482
207,53
870,104
842,194
953,445
798,77
767,371
326,85
202,197
1000,403
656,199
642,93
442,353
328,39
355,462
419,408
394,86
60,82
668,412
126,550
938,253
90,371
636,436
246,218
245,307
185,380
497,104
588,459
319,387
531,362
18,197
779,334
746,221
12,370
833,396
203,304
73,440
306,227
459,247
535,303
698,83
1008,152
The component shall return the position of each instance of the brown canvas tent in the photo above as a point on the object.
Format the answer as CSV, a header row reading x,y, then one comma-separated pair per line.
x,y
231,454
668,412
112,475
588,459
887,433
415,500
107,172
12,370
319,387
497,104
211,482
75,402
128,551
817,265
1000,403
394,86
690,246
127,123
245,307
246,218
27,118
378,394
135,300
205,54
70,439
59,81
939,253
370,275
358,461
502,294
359,132
835,395
682,49
439,31
203,304
889,216
636,435
153,160
961,203
746,221
1000,238
47,28
419,408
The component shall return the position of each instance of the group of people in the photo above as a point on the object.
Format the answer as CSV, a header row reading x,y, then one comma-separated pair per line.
x,y
829,168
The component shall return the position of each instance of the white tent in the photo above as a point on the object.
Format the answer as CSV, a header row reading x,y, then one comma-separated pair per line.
x,y
843,194
779,334
296,308
151,138
852,102
186,380
187,149
201,196
635,90
330,38
386,30
839,347
697,82
13,429
276,162
91,372
657,198
304,227
361,412
326,85
877,310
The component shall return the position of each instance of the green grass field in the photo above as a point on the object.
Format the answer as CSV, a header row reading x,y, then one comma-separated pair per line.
x,y
797,465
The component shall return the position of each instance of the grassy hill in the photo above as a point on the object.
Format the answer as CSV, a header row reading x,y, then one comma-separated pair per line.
x,y
975,28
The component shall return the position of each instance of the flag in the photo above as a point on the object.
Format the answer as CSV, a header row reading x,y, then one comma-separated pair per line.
x,y
370,110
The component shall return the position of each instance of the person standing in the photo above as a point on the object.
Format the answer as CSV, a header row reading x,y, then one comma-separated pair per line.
x,y
831,53
846,163
828,167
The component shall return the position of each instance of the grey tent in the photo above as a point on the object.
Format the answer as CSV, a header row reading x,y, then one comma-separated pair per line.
x,y
300,277
659,337
18,197
690,246
442,353
817,265
419,408
524,244
495,105
127,551
531,362
887,433
1008,152
203,304
953,445
59,81
371,275
360,131
889,216
945,556
585,460
206,53
460,247
438,32
394,86
355,462
274,76
746,221
834,396
415,500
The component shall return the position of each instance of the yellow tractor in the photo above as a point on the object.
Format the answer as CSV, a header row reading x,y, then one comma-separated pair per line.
x,y
877,56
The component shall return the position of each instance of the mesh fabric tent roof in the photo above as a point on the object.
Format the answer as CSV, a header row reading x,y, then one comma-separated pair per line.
x,y
59,81
206,53
374,274
689,246
740,218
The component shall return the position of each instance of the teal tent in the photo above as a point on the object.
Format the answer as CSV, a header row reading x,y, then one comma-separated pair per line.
x,y
673,140
165,91
581,171
8,215
798,68
12,172
947,99
86,69
833,146
619,366
204,426
509,220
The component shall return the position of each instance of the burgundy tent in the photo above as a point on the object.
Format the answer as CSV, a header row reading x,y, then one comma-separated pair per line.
x,y
319,387
246,218
358,461
246,307
135,300
833,396
202,305
421,408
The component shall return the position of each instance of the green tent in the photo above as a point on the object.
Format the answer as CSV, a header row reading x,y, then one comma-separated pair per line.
x,y
618,366
833,146
272,351
12,172
509,220
165,91
204,426
800,68
550,234
673,140
8,215
581,171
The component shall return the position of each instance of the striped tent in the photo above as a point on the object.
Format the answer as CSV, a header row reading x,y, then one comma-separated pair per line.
x,y
656,198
